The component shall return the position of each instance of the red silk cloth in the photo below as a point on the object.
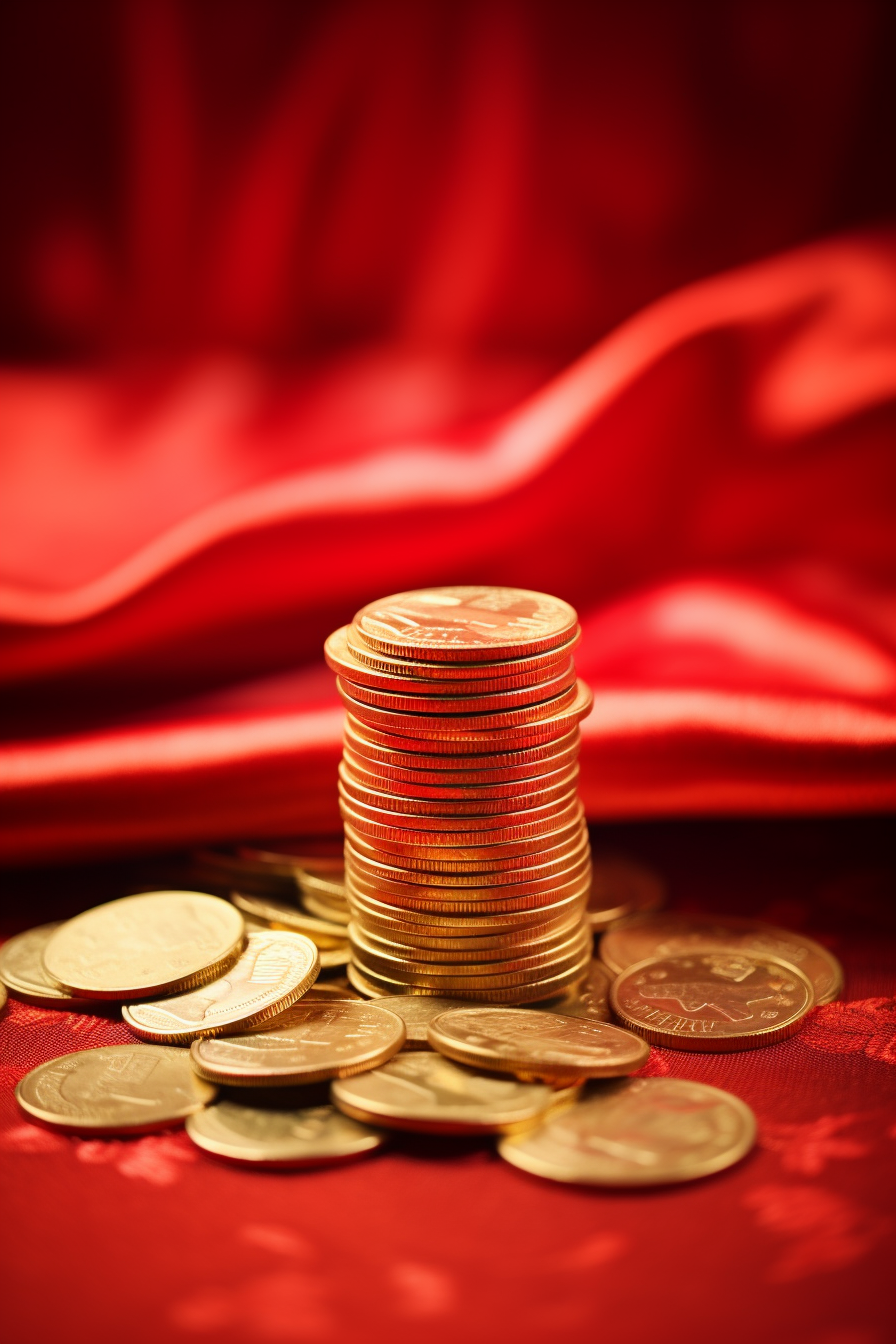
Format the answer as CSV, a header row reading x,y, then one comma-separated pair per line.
x,y
309,330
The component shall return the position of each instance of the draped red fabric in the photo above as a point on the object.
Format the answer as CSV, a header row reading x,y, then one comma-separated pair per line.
x,y
306,304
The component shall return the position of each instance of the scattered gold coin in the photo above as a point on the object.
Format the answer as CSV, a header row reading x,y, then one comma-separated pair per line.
x,y
309,1043
590,998
284,1136
273,971
424,1092
416,1012
621,887
116,1089
664,935
156,943
712,1000
534,1044
22,971
331,957
281,915
638,1131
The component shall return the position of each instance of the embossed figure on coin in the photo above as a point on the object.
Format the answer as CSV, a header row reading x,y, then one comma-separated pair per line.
x,y
466,618
530,1043
712,1000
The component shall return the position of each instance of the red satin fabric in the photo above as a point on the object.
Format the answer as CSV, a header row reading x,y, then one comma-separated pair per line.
x,y
307,328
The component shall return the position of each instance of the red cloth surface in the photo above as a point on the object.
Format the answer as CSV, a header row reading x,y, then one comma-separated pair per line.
x,y
305,304
148,1239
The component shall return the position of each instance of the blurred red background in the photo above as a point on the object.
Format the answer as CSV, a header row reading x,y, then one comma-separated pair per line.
x,y
303,304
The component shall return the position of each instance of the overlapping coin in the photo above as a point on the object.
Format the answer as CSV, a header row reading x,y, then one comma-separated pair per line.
x,y
426,1093
22,971
283,1136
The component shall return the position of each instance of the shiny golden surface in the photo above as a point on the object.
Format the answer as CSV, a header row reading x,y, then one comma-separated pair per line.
x,y
424,1092
409,754
465,624
281,915
311,1042
712,1000
465,698
619,888
156,943
590,998
503,672
535,1044
284,1136
416,1012
117,1089
668,934
22,971
274,970
638,1132
528,990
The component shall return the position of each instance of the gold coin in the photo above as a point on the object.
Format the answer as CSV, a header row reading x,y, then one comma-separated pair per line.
x,y
458,813
511,970
273,971
465,624
326,991
416,1012
225,868
507,671
433,923
712,1000
534,898
408,945
156,943
331,957
282,1136
535,1044
590,998
646,936
457,784
448,861
3,996
116,1089
465,697
451,725
564,864
311,1042
320,857
321,909
620,888
281,915
403,734
421,1091
442,756
371,982
22,971
638,1131
500,842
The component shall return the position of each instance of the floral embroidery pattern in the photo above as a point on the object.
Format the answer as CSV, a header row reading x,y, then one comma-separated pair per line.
x,y
807,1148
865,1026
826,1231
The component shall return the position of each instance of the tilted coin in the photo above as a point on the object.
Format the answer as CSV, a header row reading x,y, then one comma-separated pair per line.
x,y
281,915
22,971
463,697
312,1042
416,1012
424,1092
590,998
620,887
465,624
349,656
116,1089
664,935
712,1000
272,972
265,1136
155,943
638,1131
534,1044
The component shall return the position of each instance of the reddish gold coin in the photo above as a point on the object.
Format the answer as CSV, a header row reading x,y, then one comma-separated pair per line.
x,y
465,624
449,724
456,862
503,672
369,901
371,983
464,844
563,792
444,785
619,888
465,698
443,757
712,1000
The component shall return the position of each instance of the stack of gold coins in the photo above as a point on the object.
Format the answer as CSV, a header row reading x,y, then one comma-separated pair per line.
x,y
467,863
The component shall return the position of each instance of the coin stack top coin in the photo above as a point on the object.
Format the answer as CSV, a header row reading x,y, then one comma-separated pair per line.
x,y
467,862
